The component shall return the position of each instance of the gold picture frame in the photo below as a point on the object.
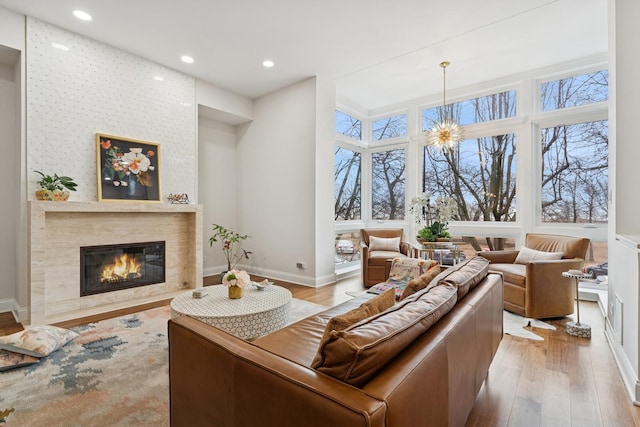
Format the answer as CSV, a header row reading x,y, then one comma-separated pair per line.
x,y
128,169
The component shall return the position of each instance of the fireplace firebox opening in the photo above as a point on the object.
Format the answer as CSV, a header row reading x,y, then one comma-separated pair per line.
x,y
107,268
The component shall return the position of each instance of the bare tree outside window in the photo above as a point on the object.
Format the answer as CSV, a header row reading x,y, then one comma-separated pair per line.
x,y
347,179
389,127
575,173
348,125
575,157
573,91
480,174
388,184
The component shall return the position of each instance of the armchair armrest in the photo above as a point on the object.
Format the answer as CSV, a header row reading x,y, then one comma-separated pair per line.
x,y
499,257
405,247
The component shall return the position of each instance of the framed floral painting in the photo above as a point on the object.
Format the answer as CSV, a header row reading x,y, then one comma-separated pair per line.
x,y
128,169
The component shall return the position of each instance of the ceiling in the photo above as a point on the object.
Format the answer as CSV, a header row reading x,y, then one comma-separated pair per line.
x,y
377,52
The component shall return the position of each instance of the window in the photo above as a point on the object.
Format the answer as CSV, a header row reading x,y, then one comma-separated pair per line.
x,y
573,91
389,127
347,246
347,184
348,125
479,110
575,173
479,174
388,184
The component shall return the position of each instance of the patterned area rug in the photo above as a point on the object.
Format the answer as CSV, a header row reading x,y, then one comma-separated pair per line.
x,y
115,373
515,325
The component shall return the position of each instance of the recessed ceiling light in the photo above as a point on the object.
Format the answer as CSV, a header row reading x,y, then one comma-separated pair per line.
x,y
267,63
159,78
60,46
187,59
81,14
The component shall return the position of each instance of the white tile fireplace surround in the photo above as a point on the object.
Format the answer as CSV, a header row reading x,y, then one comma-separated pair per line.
x,y
59,229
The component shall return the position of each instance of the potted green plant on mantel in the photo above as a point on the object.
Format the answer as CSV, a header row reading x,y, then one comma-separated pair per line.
x,y
231,245
54,188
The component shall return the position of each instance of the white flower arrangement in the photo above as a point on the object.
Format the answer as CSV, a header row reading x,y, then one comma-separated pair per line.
x,y
423,211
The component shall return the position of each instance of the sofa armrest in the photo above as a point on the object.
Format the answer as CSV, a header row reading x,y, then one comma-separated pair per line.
x,y
214,377
499,257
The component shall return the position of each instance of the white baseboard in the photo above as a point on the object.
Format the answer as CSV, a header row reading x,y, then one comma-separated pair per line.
x,y
629,376
279,275
11,305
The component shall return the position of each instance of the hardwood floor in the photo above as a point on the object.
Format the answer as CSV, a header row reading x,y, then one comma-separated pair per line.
x,y
561,381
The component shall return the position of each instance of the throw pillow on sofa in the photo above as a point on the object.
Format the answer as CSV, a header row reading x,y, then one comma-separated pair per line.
x,y
375,305
421,282
356,354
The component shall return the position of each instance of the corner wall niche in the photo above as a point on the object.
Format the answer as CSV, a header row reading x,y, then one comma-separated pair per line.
x,y
57,231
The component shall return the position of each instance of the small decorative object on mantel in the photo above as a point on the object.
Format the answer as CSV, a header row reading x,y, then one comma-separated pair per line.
x,y
182,199
54,188
235,280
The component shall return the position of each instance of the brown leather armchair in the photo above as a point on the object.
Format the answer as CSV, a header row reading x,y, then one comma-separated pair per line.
x,y
536,288
375,267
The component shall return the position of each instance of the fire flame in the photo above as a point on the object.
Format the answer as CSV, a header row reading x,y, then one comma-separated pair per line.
x,y
124,267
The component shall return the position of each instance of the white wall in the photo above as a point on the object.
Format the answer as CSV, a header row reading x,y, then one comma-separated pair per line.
x,y
276,167
217,187
13,214
624,259
9,173
95,88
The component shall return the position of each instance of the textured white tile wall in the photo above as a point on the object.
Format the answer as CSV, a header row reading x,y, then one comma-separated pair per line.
x,y
83,87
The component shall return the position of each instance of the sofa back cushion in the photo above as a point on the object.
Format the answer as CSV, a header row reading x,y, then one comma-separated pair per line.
x,y
571,247
464,276
375,305
356,354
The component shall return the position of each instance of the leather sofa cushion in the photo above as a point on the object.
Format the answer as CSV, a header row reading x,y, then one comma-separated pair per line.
x,y
467,274
380,257
376,305
512,273
464,276
356,354
422,281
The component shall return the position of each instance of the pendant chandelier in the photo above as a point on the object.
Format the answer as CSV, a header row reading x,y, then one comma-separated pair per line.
x,y
447,133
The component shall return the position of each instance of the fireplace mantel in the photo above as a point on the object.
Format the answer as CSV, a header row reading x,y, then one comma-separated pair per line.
x,y
57,230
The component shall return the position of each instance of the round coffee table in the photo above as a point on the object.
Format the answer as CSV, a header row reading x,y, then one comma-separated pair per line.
x,y
256,314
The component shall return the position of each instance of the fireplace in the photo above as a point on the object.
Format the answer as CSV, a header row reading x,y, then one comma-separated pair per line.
x,y
108,268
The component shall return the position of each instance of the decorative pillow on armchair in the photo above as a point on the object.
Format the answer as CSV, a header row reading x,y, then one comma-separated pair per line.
x,y
390,244
527,255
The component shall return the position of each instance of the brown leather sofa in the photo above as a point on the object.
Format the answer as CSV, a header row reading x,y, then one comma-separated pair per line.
x,y
375,263
219,380
537,289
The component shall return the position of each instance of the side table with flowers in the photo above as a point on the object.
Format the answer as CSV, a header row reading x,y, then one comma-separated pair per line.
x,y
235,280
